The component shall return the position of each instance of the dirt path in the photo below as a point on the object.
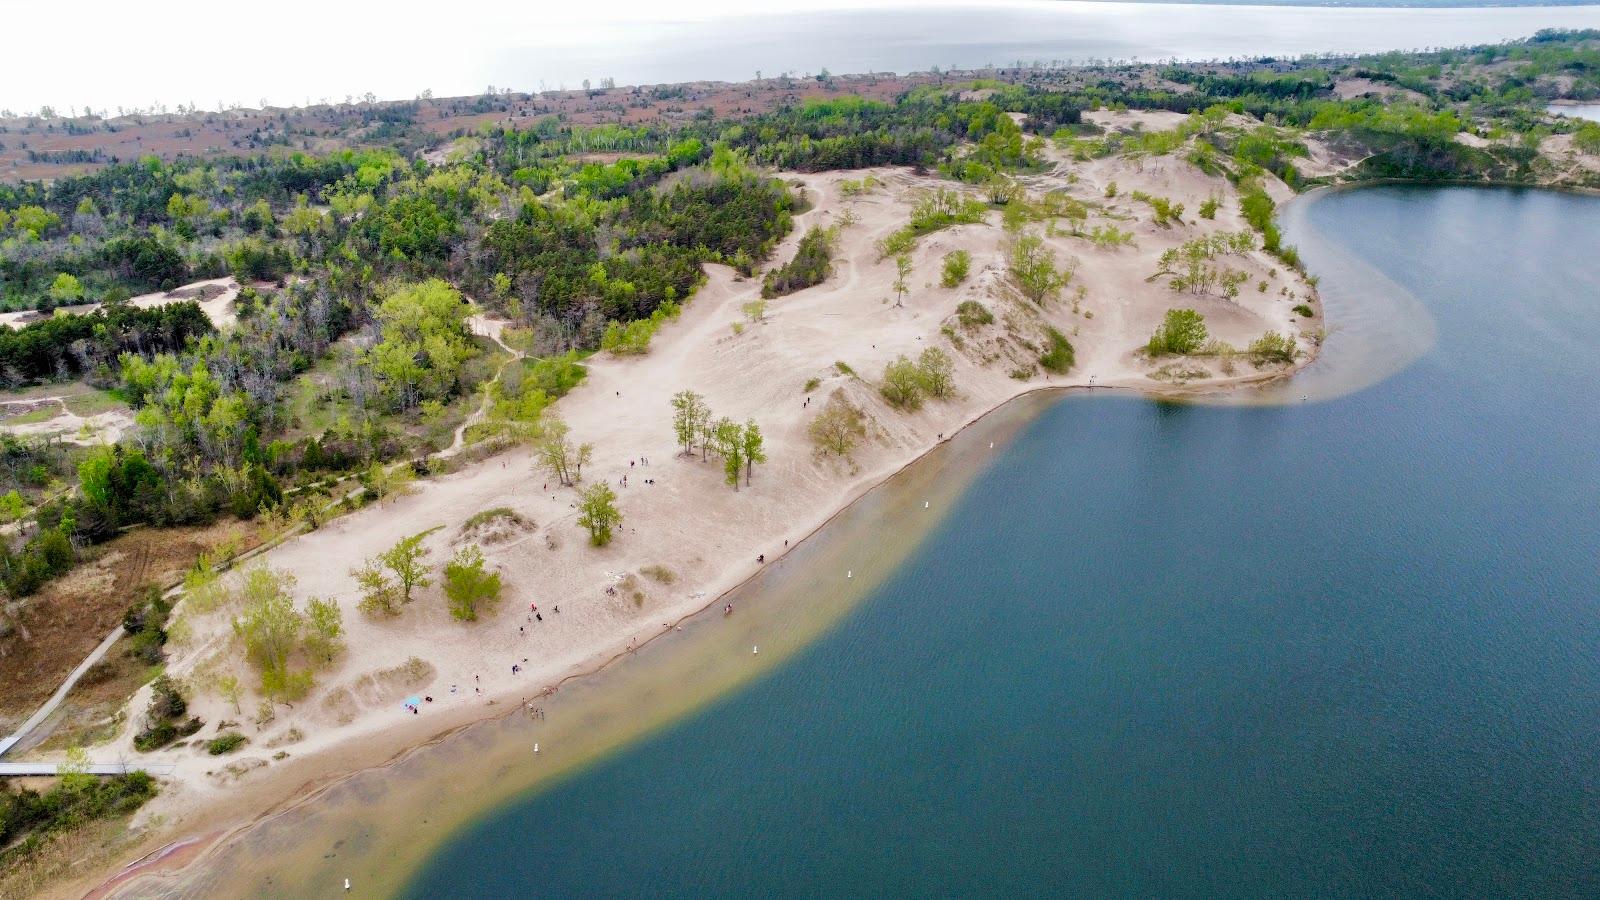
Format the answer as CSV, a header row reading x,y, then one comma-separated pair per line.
x,y
483,326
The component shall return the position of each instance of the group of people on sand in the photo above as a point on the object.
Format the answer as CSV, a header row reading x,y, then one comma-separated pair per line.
x,y
632,463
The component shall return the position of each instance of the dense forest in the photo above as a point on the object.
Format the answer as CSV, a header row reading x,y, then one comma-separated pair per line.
x,y
361,267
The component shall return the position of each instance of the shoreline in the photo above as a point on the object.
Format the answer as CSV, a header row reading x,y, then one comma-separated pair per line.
x,y
710,535
156,862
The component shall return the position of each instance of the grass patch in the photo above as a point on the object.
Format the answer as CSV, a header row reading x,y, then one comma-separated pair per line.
x,y
226,743
973,314
498,515
95,402
659,574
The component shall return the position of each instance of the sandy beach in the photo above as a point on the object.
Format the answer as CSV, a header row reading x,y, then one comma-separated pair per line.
x,y
678,514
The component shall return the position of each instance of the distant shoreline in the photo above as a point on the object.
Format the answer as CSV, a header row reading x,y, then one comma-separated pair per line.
x,y
1358,4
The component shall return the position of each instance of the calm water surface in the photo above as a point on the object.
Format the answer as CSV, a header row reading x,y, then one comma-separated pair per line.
x,y
1590,111
1333,648
881,38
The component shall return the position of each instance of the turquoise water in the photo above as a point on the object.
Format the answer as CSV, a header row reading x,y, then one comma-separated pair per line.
x,y
1339,648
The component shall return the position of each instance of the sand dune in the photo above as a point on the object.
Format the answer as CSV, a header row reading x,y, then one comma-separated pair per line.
x,y
689,521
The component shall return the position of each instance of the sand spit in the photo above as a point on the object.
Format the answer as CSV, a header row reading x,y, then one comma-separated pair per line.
x,y
679,515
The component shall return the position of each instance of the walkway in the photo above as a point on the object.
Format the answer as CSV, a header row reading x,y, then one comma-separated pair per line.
x,y
61,693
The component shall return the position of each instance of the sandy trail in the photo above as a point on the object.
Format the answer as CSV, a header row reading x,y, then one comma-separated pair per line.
x,y
219,309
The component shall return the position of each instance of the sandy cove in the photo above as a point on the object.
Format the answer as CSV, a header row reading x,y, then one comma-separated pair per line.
x,y
689,520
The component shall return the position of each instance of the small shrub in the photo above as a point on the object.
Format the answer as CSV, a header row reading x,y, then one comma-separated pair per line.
x,y
957,263
811,384
226,743
1274,346
973,314
1304,309
1059,357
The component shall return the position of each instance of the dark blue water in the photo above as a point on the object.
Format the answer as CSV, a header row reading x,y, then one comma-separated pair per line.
x,y
1349,648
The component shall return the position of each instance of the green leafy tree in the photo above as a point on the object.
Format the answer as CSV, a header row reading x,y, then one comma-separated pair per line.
x,y
838,427
379,594
231,690
34,221
689,417
1182,331
425,342
389,481
902,279
407,560
270,627
728,438
66,289
902,384
597,512
936,372
754,446
559,455
1032,267
12,507
324,637
468,584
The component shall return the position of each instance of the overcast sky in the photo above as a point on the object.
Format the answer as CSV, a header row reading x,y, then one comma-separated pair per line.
x,y
130,53
134,54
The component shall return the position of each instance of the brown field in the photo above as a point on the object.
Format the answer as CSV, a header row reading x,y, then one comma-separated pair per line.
x,y
56,628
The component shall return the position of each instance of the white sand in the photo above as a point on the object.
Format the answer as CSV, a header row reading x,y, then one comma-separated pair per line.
x,y
218,309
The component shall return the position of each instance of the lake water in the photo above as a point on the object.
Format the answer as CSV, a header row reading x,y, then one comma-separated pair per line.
x,y
1343,648
734,47
1590,111
538,46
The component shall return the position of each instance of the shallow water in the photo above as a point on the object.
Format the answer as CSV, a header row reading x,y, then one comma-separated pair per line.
x,y
1343,647
377,826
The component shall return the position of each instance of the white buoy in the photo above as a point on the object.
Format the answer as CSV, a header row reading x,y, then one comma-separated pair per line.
x,y
347,884
755,649
849,574
536,747
991,445
924,504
